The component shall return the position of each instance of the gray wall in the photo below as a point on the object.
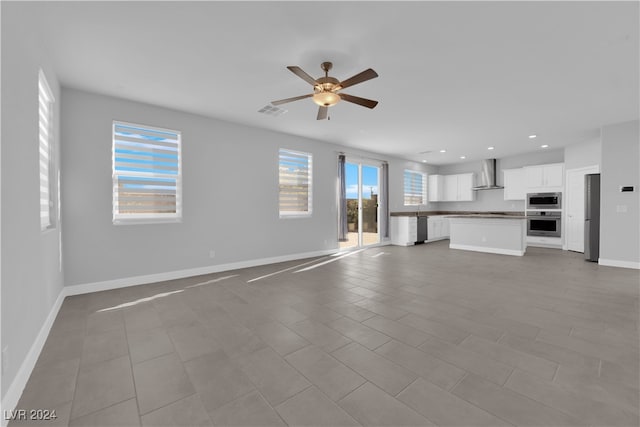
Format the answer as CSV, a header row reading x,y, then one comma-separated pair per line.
x,y
31,275
588,153
230,194
620,231
397,186
493,200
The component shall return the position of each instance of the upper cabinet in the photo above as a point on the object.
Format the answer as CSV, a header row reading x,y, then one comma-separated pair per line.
x,y
450,188
466,182
514,188
436,187
458,188
544,177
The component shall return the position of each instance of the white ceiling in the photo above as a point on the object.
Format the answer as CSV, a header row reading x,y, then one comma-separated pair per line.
x,y
459,76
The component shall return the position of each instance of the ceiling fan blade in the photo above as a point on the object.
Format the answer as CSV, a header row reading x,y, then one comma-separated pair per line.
x,y
359,78
304,76
369,103
322,113
295,98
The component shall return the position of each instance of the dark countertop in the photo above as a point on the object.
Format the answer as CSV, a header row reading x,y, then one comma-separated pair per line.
x,y
488,216
477,214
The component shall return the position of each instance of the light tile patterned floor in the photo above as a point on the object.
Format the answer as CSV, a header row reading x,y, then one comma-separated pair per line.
x,y
367,239
391,336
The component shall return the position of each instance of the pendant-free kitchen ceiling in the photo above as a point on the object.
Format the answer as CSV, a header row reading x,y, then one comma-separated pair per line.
x,y
460,76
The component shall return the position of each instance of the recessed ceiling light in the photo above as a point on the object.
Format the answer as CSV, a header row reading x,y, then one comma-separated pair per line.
x,y
443,151
424,161
533,136
463,157
491,148
544,146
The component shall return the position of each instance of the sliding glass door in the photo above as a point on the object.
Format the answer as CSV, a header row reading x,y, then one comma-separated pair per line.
x,y
362,192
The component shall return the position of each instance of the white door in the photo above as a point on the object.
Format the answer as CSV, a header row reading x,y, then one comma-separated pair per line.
x,y
574,207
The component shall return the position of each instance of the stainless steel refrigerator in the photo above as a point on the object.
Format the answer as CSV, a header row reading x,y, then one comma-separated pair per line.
x,y
592,217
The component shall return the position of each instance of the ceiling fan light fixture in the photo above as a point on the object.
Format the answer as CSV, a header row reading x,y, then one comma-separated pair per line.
x,y
326,89
326,99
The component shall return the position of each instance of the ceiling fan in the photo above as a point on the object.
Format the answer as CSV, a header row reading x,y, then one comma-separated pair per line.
x,y
326,90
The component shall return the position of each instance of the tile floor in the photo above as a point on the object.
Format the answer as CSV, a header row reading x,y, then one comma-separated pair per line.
x,y
388,336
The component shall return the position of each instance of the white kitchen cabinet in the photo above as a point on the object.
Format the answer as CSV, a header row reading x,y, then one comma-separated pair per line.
x,y
465,184
514,188
437,228
404,230
450,188
458,188
436,188
544,177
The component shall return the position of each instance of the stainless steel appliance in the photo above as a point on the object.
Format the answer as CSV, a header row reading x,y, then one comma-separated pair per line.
x,y
544,223
592,217
422,229
488,176
544,201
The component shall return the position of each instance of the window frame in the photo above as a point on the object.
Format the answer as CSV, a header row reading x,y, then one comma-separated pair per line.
x,y
423,195
46,144
145,218
296,214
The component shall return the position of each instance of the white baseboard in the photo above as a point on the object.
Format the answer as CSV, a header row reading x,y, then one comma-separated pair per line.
x,y
437,239
498,251
14,392
618,263
106,285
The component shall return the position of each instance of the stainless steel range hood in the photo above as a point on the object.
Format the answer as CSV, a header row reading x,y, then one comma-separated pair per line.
x,y
488,176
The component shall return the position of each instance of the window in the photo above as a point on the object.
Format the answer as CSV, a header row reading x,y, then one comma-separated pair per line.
x,y
415,188
295,183
45,136
146,174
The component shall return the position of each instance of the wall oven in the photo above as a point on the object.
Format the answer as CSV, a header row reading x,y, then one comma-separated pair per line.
x,y
544,201
544,223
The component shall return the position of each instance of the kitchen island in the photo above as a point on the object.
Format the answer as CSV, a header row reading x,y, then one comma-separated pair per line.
x,y
496,234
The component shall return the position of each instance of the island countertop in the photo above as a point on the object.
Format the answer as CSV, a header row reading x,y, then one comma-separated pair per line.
x,y
463,214
488,216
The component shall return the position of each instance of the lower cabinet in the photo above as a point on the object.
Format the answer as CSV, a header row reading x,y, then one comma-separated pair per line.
x,y
404,230
437,228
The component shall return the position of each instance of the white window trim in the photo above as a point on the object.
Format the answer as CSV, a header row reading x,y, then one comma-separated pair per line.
x,y
297,214
147,218
48,222
424,188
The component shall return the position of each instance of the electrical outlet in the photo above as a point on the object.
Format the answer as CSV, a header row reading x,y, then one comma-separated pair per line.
x,y
212,254
5,359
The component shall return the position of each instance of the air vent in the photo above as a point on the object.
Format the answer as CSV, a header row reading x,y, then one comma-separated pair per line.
x,y
425,152
272,111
